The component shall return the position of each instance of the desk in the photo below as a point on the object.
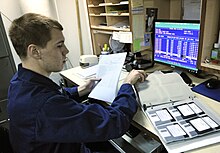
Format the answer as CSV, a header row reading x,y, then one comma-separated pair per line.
x,y
141,121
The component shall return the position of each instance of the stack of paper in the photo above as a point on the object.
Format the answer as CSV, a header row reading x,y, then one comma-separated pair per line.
x,y
88,72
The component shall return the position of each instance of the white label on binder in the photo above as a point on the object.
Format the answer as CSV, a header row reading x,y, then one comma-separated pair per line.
x,y
164,133
154,118
164,115
175,113
176,130
188,128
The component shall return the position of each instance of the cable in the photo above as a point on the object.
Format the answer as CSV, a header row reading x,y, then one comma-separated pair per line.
x,y
6,17
212,75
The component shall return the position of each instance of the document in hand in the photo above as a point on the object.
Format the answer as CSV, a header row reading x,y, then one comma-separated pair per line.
x,y
177,114
109,69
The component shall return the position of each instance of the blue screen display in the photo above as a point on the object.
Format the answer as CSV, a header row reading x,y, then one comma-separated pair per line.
x,y
176,43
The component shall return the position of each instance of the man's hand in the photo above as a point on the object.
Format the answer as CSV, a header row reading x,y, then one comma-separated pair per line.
x,y
88,86
134,76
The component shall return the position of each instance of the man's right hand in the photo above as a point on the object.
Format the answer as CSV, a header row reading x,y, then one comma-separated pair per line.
x,y
88,86
134,76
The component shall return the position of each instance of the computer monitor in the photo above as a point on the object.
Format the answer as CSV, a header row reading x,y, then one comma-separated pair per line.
x,y
176,42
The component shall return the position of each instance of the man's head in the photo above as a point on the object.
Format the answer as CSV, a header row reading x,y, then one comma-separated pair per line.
x,y
29,29
39,42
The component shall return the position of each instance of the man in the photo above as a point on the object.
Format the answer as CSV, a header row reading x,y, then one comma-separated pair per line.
x,y
44,120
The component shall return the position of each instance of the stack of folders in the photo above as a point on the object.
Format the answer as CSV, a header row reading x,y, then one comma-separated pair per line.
x,y
174,110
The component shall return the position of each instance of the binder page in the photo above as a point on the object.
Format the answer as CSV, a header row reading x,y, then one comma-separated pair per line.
x,y
184,123
177,91
162,88
149,93
109,69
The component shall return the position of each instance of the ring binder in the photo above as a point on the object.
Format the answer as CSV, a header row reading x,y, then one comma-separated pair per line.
x,y
151,106
144,107
173,109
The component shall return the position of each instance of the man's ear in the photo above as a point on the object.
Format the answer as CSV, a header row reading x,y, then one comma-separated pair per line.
x,y
33,51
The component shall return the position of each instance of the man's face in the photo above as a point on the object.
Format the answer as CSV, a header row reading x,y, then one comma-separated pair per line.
x,y
54,54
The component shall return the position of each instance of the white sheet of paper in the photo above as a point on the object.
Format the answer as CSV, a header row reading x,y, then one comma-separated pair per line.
x,y
116,36
195,108
176,130
210,122
185,110
199,124
109,69
125,37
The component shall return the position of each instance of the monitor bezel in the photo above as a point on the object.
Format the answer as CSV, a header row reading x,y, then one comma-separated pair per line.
x,y
176,21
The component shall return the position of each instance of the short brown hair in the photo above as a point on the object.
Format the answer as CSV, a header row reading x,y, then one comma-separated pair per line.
x,y
31,28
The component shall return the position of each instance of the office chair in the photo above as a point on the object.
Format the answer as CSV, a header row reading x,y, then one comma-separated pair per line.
x,y
4,140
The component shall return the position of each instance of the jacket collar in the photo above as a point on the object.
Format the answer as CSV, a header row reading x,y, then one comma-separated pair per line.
x,y
28,75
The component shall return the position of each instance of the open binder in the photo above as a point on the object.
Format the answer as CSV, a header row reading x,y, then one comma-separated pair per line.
x,y
173,109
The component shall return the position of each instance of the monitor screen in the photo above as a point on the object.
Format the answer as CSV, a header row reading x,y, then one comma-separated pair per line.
x,y
176,42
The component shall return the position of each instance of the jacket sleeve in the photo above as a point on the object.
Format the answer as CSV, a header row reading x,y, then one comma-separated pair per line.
x,y
65,120
72,92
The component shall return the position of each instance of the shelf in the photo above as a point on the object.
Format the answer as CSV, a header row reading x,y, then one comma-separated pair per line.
x,y
92,5
105,4
108,4
211,66
110,28
106,17
210,19
92,14
109,14
114,14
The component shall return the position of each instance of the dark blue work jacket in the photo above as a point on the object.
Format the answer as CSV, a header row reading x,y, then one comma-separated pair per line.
x,y
44,120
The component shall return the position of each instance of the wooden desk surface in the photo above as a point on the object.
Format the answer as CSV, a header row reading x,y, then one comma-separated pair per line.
x,y
140,117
